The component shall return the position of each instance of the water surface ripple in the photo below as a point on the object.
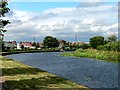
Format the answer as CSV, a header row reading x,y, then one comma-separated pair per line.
x,y
85,71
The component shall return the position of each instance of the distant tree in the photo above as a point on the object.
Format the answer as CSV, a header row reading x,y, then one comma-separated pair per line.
x,y
50,42
96,41
112,38
34,44
22,47
37,45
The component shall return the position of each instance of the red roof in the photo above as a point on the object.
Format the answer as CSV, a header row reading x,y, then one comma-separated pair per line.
x,y
26,44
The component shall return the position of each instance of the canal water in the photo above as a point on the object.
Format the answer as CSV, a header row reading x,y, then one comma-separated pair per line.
x,y
89,72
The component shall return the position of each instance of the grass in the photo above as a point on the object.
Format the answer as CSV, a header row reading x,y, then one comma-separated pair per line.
x,y
112,56
19,76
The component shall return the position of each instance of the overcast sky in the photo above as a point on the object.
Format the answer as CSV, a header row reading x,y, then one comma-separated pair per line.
x,y
62,20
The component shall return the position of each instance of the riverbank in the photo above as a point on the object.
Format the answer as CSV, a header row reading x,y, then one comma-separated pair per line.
x,y
111,56
21,76
27,51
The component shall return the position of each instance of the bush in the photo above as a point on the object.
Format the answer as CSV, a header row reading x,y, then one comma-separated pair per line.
x,y
111,46
101,47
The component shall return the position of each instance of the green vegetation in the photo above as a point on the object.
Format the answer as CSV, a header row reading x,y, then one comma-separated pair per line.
x,y
3,10
100,49
96,41
98,54
19,76
35,45
110,46
112,38
50,42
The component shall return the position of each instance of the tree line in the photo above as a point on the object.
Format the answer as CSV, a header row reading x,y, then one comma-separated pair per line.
x,y
110,44
96,42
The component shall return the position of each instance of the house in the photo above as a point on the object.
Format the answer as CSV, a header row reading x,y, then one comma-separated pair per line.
x,y
76,43
27,45
41,45
9,45
62,44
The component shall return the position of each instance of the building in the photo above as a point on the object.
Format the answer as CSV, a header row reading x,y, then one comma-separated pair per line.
x,y
27,45
41,45
18,46
9,45
62,43
76,43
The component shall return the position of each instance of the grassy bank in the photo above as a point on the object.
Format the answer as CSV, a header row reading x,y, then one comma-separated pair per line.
x,y
19,76
98,54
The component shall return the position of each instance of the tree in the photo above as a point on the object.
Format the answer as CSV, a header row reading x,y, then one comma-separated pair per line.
x,y
3,23
112,38
50,42
22,47
36,44
96,41
3,10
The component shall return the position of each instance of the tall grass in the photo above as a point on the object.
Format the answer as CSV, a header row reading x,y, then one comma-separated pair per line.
x,y
98,54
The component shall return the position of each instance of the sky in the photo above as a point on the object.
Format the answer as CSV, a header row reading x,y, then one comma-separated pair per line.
x,y
63,20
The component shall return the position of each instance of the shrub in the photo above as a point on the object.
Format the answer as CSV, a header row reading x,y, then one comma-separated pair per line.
x,y
111,46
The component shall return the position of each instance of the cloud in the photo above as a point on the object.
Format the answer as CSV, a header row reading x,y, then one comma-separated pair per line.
x,y
89,4
63,23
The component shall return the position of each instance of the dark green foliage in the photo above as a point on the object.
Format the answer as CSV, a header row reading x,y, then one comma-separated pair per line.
x,y
22,47
96,41
5,22
36,44
112,38
70,48
100,47
50,42
3,10
85,46
111,46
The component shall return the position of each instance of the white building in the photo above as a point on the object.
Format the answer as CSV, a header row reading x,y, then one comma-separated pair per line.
x,y
18,46
9,45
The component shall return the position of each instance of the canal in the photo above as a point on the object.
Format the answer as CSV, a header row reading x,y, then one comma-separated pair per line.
x,y
89,72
